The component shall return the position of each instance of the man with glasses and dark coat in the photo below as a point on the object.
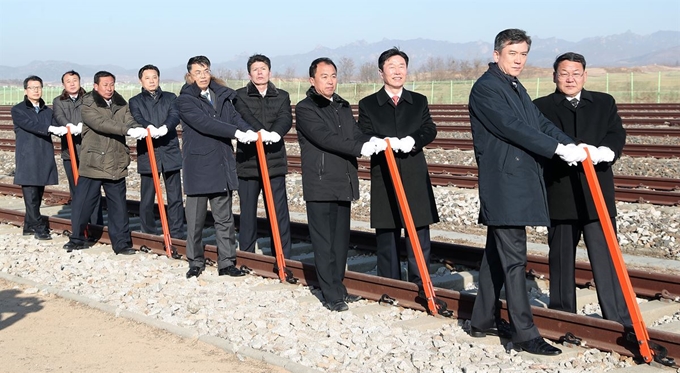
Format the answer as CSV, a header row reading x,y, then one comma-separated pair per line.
x,y
592,119
34,154
209,123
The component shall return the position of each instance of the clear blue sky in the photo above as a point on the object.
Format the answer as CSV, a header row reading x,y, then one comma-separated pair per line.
x,y
166,33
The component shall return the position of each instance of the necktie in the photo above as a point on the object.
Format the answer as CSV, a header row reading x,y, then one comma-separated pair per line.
x,y
574,102
37,109
395,99
206,95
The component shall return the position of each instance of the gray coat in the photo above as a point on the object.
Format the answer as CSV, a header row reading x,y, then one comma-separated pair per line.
x,y
34,151
68,111
512,139
104,153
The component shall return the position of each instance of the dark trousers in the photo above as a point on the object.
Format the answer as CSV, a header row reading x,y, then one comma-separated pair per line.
x,y
32,198
85,200
504,262
563,236
175,211
97,216
196,210
388,242
329,224
249,191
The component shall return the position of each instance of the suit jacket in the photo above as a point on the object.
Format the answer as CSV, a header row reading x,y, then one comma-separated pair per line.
x,y
34,151
379,117
596,122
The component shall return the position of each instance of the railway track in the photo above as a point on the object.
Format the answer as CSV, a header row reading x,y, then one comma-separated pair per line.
x,y
600,334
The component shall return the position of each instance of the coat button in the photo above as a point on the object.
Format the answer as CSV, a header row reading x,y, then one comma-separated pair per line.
x,y
517,158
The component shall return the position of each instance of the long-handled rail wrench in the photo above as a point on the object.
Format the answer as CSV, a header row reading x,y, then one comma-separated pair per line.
x,y
435,306
649,350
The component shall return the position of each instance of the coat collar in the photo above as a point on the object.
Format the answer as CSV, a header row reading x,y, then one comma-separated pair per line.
x,y
251,90
560,99
512,80
322,101
116,99
384,98
159,92
29,104
219,90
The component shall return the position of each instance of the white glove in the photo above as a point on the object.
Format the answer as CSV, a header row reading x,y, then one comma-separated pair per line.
x,y
594,156
605,154
137,133
162,130
57,130
152,130
267,137
380,144
75,130
246,137
395,144
80,127
406,144
368,149
571,153
274,137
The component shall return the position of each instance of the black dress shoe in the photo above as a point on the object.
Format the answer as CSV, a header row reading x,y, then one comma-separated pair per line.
x,y
70,246
503,331
42,235
194,271
352,298
127,251
231,271
338,306
537,346
28,231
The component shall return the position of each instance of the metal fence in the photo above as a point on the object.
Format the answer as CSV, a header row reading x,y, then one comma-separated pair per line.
x,y
625,87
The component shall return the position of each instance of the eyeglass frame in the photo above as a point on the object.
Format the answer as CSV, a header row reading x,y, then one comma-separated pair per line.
x,y
199,73
34,89
564,76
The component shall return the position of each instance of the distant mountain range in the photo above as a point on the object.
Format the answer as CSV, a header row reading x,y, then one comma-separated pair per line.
x,y
621,50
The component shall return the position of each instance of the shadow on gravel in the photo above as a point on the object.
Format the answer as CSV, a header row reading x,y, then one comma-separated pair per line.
x,y
14,307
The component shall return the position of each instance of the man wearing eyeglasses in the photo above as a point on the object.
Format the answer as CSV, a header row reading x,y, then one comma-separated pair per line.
x,y
34,154
209,123
592,119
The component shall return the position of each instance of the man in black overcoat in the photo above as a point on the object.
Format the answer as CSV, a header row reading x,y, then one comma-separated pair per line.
x,y
403,117
511,141
34,153
591,118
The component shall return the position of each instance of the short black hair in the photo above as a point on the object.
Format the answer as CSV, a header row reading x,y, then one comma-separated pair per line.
x,y
510,36
103,74
316,62
32,78
148,67
570,56
198,60
386,55
70,72
259,58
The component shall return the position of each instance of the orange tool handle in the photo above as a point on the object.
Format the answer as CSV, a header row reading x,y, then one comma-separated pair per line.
x,y
410,227
72,155
620,266
273,220
159,192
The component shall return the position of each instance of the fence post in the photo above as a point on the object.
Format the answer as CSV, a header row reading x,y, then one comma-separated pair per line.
x,y
451,93
632,100
658,89
432,92
607,80
538,84
298,94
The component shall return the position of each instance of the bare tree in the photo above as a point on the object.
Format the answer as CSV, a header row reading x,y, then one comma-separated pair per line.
x,y
346,69
239,74
368,72
224,74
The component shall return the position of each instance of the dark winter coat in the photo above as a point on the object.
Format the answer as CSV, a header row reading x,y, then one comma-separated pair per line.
x,y
68,111
595,122
511,139
34,151
378,116
104,153
330,142
158,111
271,113
207,131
